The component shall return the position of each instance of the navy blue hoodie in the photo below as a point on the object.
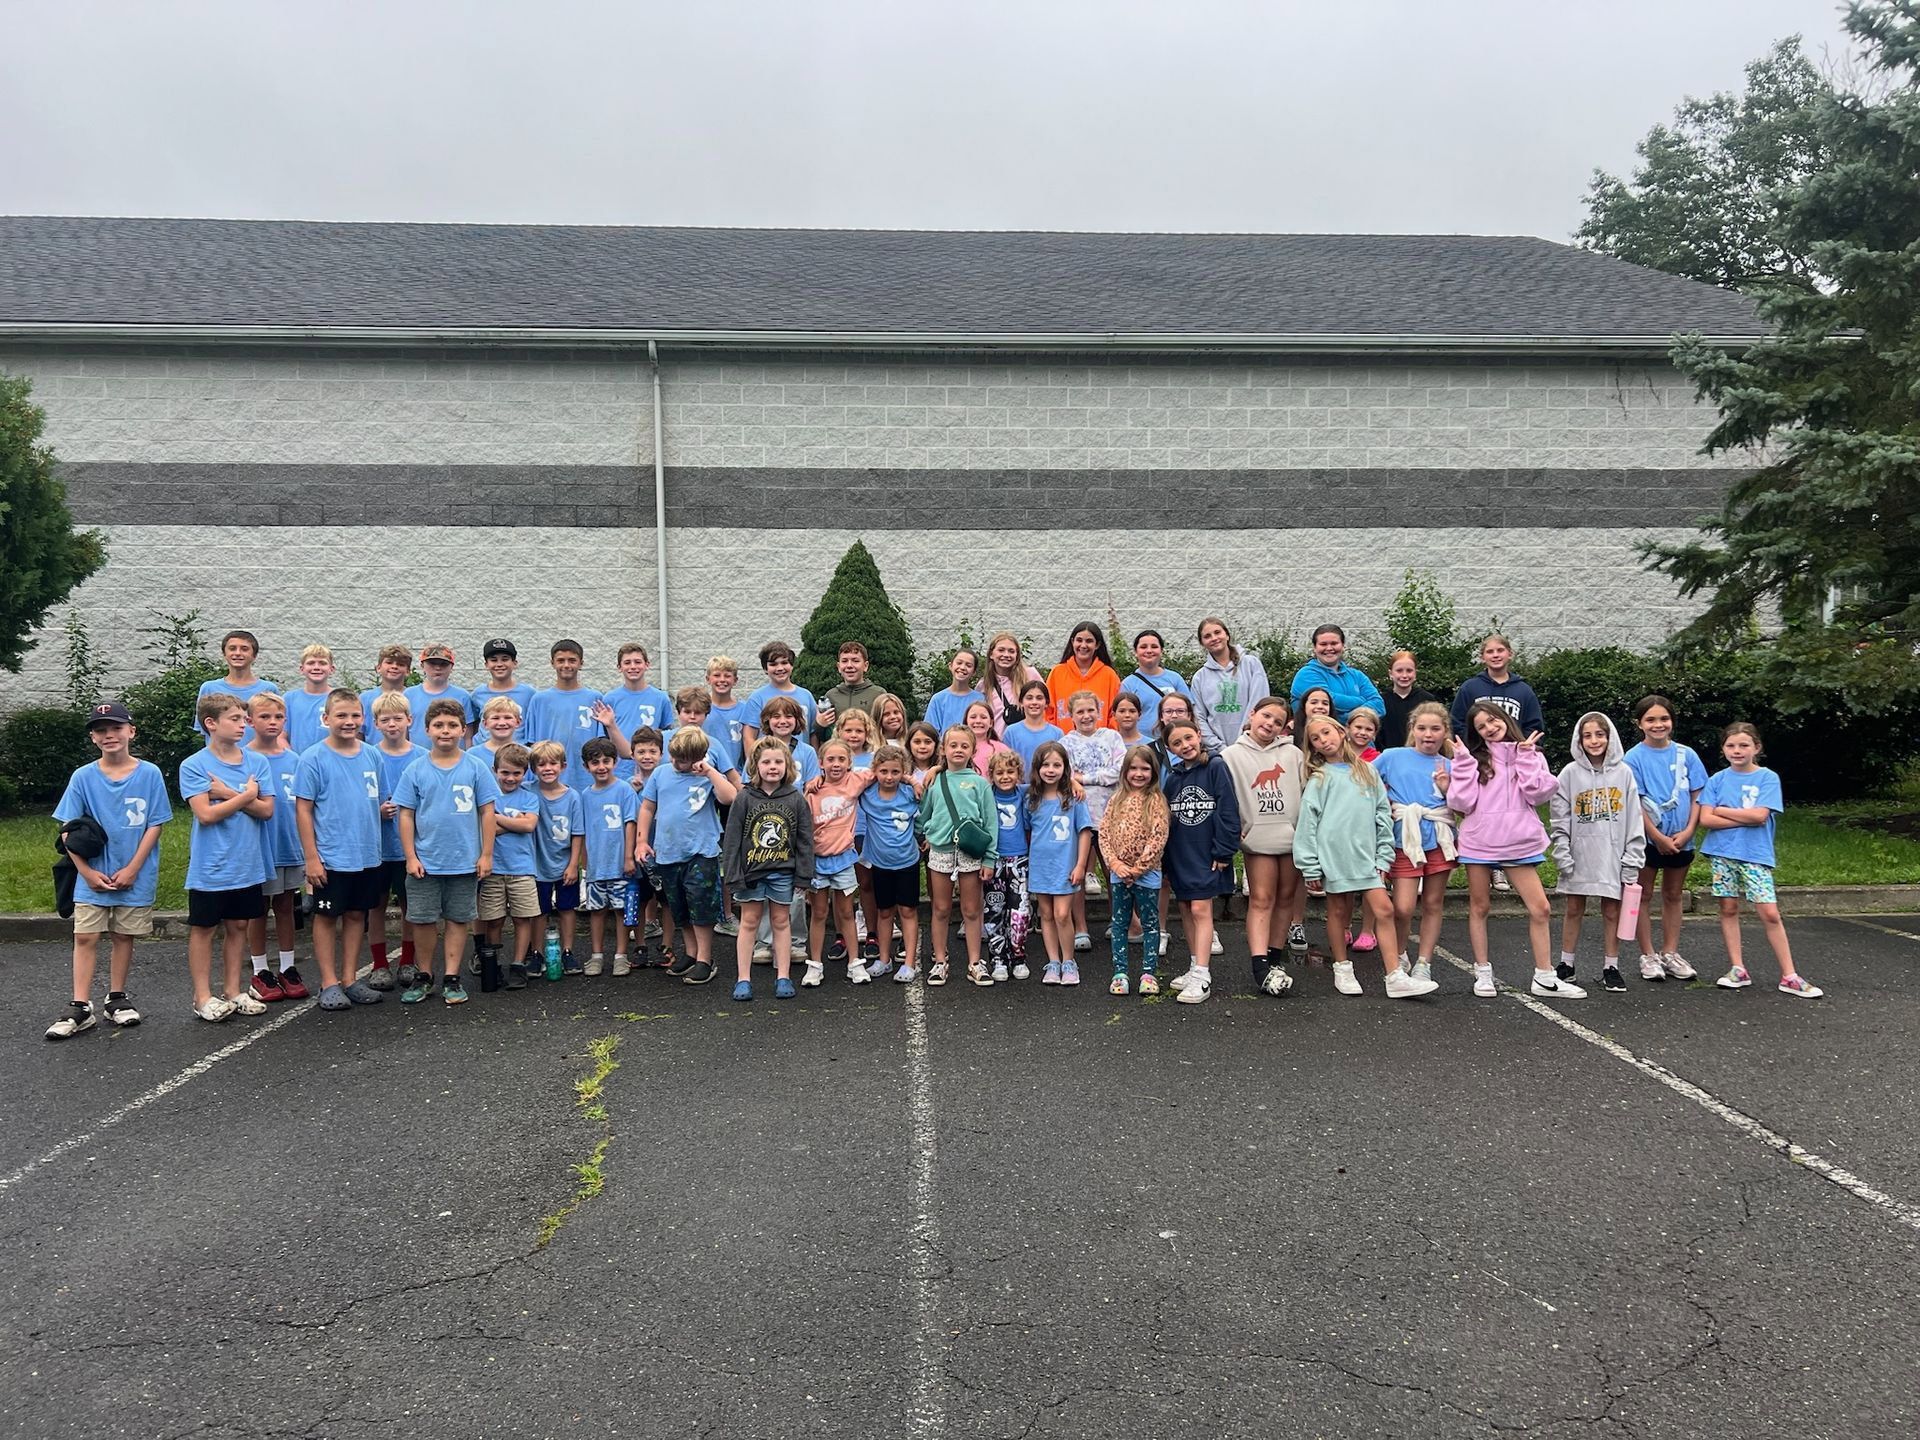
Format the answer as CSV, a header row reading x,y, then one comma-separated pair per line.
x,y
1513,695
1205,828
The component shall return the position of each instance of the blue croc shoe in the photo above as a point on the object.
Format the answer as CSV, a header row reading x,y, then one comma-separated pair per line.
x,y
743,990
783,988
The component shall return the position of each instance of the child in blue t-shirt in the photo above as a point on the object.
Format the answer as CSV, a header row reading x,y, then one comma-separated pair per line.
x,y
446,829
1007,908
436,664
678,833
338,795
510,891
1059,842
559,848
889,812
113,890
502,660
635,705
564,713
239,649
269,715
611,810
1670,777
393,718
230,791
1033,729
1737,811
776,658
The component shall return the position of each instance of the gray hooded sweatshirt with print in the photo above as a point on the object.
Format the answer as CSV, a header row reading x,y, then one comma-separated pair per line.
x,y
1597,839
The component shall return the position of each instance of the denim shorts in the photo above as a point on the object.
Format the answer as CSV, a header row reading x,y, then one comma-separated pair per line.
x,y
777,888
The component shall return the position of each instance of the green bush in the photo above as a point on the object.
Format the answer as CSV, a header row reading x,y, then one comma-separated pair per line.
x,y
1179,651
39,748
1424,619
1572,682
1281,649
162,710
856,606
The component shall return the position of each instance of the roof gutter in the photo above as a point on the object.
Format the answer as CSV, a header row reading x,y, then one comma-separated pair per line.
x,y
619,339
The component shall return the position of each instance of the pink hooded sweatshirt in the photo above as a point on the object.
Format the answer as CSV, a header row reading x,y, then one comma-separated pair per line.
x,y
1498,821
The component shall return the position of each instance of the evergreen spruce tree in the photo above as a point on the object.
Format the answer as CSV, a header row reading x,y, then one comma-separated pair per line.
x,y
1826,533
42,557
857,607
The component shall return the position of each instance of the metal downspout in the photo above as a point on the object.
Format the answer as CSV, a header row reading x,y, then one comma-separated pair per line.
x,y
659,515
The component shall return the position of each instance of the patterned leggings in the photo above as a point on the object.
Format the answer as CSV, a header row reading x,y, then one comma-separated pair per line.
x,y
1008,911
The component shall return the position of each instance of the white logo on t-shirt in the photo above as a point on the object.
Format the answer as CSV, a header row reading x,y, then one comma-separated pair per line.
x,y
1007,813
1749,796
462,798
614,819
697,798
559,828
136,811
1062,826
583,717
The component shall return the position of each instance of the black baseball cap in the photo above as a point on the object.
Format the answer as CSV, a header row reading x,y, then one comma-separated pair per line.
x,y
109,712
499,647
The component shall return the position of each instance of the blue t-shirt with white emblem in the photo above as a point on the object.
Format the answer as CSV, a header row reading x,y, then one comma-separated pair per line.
x,y
419,698
723,730
757,701
1053,844
1741,791
283,829
513,849
126,809
229,854
562,818
686,819
392,767
1668,778
448,803
566,716
306,716
345,791
1011,808
609,807
888,840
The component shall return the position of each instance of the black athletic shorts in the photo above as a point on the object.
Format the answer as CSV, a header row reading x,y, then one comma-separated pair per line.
x,y
896,889
347,892
208,908
1660,860
393,884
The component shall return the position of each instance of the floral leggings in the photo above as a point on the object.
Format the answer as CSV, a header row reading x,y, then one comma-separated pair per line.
x,y
1007,911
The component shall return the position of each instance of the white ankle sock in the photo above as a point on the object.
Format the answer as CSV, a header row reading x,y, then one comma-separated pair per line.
x,y
259,964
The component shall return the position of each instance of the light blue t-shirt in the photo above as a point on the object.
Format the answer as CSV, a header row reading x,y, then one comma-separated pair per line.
x,y
566,716
1668,778
221,686
448,804
686,819
521,694
392,767
306,716
1150,691
419,697
512,849
367,697
1754,843
126,810
1053,844
1408,776
562,818
1023,741
283,830
346,792
723,729
888,841
229,854
632,709
609,808
1011,806
947,709
757,701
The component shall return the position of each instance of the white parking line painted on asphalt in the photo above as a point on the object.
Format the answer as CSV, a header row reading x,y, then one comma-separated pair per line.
x,y
1900,1210
926,1400
1883,929
159,1092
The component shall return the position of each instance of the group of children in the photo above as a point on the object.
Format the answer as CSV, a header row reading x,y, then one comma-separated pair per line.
x,y
502,812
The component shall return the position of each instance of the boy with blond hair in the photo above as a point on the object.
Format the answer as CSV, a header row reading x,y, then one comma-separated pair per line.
x,y
306,707
559,846
268,715
230,791
679,835
396,752
114,888
338,794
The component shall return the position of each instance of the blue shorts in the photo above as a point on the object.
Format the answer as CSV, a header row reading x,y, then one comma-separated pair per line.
x,y
1504,864
556,897
777,888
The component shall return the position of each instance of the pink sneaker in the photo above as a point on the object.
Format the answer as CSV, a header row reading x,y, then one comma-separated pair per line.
x,y
1363,943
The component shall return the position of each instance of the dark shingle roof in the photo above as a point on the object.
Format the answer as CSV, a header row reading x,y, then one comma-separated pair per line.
x,y
241,273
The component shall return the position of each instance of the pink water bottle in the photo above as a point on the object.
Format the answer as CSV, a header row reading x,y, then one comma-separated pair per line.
x,y
1629,910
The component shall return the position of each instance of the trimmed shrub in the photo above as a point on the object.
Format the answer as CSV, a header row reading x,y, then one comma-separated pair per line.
x,y
1572,682
856,606
39,748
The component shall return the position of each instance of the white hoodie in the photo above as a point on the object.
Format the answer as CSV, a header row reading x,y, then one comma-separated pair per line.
x,y
1597,838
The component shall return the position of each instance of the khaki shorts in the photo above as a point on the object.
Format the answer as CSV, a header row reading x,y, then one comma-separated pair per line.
x,y
509,895
134,920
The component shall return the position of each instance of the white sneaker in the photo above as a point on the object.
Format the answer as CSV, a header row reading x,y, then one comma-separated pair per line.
x,y
814,974
1216,948
1093,884
1500,881
215,1009
1182,980
856,972
1000,974
1423,970
1163,942
245,1004
1544,983
762,953
1483,985
1735,979
622,965
1651,969
1022,970
1082,944
1403,986
1276,981
1677,967
1198,987
906,974
1343,978
595,964
937,973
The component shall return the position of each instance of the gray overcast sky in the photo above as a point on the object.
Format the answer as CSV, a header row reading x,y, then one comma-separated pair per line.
x,y
1469,115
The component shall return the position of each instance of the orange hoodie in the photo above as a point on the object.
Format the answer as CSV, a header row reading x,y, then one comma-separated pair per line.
x,y
1065,681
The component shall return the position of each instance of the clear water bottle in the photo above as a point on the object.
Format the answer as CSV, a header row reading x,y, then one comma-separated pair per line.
x,y
553,954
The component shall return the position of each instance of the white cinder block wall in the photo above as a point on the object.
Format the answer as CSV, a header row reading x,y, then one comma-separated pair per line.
x,y
363,498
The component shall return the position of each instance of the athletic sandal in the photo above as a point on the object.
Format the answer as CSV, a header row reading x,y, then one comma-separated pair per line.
x,y
979,974
937,973
120,1009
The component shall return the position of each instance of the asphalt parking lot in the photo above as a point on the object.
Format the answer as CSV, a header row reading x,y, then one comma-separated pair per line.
x,y
1000,1213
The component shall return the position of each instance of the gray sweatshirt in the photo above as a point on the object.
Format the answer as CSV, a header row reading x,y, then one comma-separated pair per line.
x,y
1597,839
1224,695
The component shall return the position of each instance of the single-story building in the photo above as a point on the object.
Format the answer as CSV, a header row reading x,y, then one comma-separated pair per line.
x,y
367,433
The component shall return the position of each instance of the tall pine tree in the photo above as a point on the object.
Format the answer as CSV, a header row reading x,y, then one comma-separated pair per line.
x,y
857,607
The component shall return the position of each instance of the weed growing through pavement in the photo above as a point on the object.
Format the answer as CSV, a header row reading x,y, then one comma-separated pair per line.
x,y
589,1093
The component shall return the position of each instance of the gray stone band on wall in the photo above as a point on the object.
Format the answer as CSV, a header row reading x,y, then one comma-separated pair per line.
x,y
116,493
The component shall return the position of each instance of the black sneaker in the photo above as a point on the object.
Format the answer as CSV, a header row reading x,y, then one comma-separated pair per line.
x,y
681,965
516,976
698,973
1612,979
870,951
1563,970
837,952
569,965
